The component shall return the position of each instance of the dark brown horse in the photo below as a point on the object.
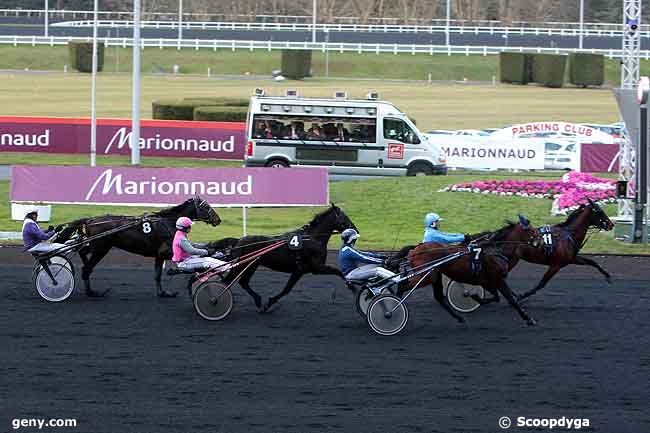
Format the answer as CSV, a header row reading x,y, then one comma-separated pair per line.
x,y
567,240
498,254
149,236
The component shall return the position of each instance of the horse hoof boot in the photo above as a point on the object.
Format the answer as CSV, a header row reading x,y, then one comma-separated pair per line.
x,y
167,294
531,322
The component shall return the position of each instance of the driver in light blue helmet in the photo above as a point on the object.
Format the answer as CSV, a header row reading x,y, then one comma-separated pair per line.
x,y
432,231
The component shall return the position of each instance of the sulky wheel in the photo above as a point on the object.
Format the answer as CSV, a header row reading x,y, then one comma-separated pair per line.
x,y
57,289
212,300
62,260
460,298
363,298
386,316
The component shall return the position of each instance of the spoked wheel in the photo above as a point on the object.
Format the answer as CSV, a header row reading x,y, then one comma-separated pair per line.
x,y
213,300
386,316
460,298
57,289
62,260
363,298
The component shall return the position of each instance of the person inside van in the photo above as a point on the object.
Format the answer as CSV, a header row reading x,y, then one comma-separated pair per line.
x,y
342,134
315,132
297,131
329,131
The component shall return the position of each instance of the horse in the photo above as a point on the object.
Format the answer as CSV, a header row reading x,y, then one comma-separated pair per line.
x,y
498,253
307,256
567,238
151,238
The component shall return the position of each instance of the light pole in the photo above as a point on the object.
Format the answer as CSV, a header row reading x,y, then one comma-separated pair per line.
x,y
47,19
327,53
582,22
135,112
313,22
448,20
93,93
180,21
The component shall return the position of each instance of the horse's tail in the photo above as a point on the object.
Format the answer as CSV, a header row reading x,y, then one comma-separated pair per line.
x,y
72,228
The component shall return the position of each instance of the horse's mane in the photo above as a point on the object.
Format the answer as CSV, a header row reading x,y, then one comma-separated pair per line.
x,y
172,211
572,216
498,235
318,218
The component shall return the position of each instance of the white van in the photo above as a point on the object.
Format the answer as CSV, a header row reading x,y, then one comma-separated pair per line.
x,y
355,137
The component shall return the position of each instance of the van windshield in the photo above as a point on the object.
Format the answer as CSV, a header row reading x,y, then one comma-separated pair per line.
x,y
314,128
397,129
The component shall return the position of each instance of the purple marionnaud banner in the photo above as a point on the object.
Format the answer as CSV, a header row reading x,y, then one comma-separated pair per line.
x,y
599,158
170,186
218,140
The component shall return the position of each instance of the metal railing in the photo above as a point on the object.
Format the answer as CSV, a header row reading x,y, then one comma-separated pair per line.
x,y
318,46
368,28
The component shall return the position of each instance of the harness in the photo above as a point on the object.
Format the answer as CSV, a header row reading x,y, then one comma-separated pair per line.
x,y
546,233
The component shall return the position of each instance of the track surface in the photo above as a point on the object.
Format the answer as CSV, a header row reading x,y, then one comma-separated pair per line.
x,y
134,363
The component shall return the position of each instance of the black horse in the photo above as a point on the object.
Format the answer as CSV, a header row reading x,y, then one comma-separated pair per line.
x,y
302,255
150,236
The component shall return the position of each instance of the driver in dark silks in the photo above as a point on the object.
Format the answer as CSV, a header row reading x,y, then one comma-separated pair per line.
x,y
35,239
360,265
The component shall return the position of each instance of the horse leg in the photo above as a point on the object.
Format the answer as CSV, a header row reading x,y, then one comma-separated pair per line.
x,y
507,293
96,255
583,261
439,295
158,277
550,272
485,301
293,279
244,282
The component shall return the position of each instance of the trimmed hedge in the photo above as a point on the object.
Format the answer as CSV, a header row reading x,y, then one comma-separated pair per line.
x,y
586,69
183,109
81,56
514,68
548,69
296,64
221,114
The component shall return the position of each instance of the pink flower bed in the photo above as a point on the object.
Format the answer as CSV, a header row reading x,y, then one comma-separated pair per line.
x,y
568,193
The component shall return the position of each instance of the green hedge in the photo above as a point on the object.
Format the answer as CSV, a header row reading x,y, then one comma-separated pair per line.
x,y
183,109
296,64
586,69
221,114
548,69
514,68
81,56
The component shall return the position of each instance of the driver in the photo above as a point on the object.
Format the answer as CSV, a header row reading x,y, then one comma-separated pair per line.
x,y
35,239
360,265
432,231
189,256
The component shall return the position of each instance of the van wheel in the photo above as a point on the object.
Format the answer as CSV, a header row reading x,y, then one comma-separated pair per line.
x,y
419,169
277,163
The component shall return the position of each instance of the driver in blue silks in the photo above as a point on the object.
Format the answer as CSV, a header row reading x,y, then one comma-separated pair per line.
x,y
432,232
360,265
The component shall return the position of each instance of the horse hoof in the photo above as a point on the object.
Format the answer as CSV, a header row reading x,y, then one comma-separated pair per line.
x,y
609,280
462,321
531,322
166,294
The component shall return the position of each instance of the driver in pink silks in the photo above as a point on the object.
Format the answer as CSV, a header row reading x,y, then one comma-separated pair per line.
x,y
187,255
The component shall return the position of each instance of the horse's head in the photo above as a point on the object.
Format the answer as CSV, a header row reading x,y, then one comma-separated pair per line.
x,y
526,232
598,218
341,220
204,212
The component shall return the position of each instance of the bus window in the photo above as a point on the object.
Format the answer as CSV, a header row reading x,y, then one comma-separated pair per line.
x,y
314,128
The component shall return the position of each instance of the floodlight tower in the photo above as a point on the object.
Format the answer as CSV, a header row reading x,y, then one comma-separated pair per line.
x,y
629,80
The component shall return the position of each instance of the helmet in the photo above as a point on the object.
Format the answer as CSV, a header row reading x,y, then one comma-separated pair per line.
x,y
431,218
184,223
31,210
349,236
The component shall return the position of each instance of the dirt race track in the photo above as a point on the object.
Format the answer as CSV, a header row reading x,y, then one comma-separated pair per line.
x,y
133,363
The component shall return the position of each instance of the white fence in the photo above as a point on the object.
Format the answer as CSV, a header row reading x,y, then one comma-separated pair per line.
x,y
483,25
318,46
373,28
